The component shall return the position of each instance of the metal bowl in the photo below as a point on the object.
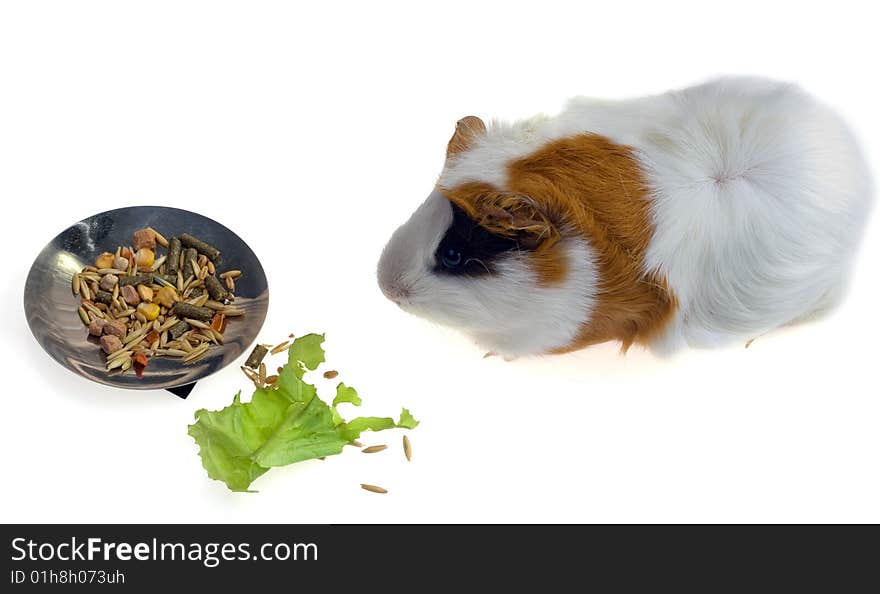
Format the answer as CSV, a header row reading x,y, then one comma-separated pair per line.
x,y
51,309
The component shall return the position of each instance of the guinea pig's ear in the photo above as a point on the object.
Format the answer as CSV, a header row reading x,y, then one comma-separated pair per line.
x,y
466,130
516,216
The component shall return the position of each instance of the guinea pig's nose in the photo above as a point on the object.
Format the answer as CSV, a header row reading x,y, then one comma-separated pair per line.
x,y
395,291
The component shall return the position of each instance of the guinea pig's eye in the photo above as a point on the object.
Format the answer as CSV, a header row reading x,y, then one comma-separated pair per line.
x,y
451,258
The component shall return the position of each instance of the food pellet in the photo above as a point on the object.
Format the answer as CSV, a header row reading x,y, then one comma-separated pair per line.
x,y
256,357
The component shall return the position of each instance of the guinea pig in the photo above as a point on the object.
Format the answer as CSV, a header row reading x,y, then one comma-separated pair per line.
x,y
697,217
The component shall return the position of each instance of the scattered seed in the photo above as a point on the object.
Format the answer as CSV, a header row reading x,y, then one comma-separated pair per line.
x,y
74,283
231,274
357,444
373,488
331,374
407,448
374,449
279,347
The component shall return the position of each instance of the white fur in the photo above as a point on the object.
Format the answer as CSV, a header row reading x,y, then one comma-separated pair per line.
x,y
759,197
506,312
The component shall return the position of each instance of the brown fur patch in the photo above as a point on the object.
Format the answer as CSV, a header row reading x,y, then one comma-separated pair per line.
x,y
583,185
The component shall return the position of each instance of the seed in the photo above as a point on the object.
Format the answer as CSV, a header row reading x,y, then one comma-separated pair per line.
x,y
373,488
196,353
357,444
200,338
331,374
407,448
84,291
195,266
115,291
92,308
83,316
118,362
197,323
126,365
172,352
161,281
374,449
231,274
262,373
157,264
117,272
231,312
230,284
135,336
211,268
160,239
74,283
179,281
280,347
170,321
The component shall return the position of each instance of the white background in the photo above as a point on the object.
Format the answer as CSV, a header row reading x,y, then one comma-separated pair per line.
x,y
313,129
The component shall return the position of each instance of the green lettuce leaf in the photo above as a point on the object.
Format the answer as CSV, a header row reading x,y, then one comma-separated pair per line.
x,y
282,425
406,420
306,353
346,394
